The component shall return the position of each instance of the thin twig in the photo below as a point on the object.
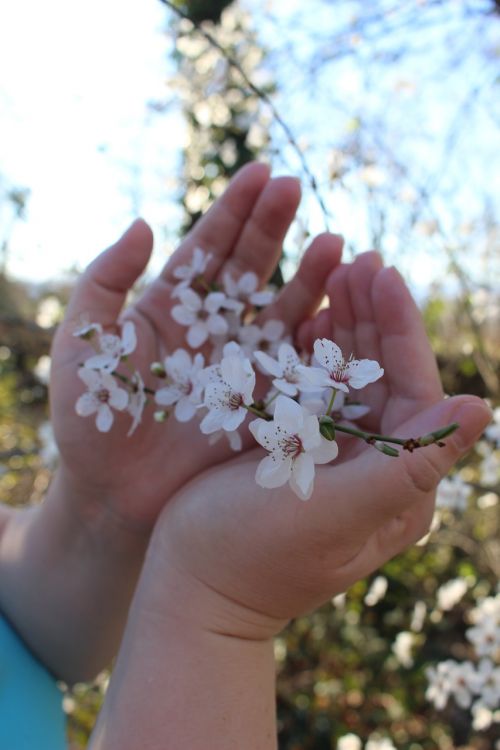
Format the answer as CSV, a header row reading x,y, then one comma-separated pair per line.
x,y
233,63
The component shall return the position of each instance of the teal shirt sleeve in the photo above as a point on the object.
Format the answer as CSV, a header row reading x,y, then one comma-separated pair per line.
x,y
31,714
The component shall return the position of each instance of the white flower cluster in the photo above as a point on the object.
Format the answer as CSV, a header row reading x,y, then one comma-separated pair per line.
x,y
219,384
353,742
473,685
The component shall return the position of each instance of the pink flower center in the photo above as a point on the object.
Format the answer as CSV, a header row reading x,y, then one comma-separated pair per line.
x,y
291,446
103,395
235,401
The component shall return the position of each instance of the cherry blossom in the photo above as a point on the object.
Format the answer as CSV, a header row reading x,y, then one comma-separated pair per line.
x,y
287,369
294,444
86,330
317,402
137,401
340,374
189,272
184,387
113,348
485,636
440,683
245,289
103,394
228,393
486,683
453,493
201,316
267,337
233,437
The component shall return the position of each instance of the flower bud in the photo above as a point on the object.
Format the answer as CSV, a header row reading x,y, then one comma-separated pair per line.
x,y
158,370
161,415
327,427
387,450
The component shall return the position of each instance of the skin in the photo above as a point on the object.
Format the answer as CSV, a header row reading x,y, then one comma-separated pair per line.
x,y
230,563
87,541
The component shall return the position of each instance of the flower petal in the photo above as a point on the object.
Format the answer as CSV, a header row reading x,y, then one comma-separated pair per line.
x,y
184,410
302,479
328,354
325,452
86,405
104,418
288,415
197,335
272,472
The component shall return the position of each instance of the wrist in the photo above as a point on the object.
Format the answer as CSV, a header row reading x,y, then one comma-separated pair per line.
x,y
88,509
179,680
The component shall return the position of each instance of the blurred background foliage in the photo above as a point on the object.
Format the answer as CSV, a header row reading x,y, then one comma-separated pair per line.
x,y
340,669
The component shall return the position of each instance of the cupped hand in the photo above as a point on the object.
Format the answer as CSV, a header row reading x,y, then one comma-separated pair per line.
x,y
253,558
132,477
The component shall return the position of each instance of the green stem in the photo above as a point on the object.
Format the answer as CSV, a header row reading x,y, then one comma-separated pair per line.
x,y
332,399
408,444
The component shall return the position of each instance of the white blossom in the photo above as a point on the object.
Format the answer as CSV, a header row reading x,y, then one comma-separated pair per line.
x,y
492,432
489,469
349,742
86,330
462,679
418,616
227,394
202,316
294,444
113,348
184,385
482,716
377,591
136,402
380,744
288,377
267,337
103,394
190,272
317,402
486,683
335,372
245,289
440,683
485,637
450,593
402,648
233,437
453,493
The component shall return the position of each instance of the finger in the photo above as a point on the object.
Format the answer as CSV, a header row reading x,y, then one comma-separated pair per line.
x,y
342,314
260,243
219,229
102,289
388,540
300,298
360,282
381,487
410,370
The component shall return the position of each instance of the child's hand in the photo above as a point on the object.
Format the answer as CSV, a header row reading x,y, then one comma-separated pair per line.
x,y
132,477
256,558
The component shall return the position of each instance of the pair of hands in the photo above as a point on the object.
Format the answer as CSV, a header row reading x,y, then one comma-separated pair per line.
x,y
260,557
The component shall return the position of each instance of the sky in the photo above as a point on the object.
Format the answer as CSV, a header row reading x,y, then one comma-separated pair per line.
x,y
75,80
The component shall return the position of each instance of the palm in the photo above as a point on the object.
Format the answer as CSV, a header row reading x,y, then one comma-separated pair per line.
x,y
278,556
243,231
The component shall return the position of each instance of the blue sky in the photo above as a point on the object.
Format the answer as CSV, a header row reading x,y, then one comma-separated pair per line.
x,y
74,85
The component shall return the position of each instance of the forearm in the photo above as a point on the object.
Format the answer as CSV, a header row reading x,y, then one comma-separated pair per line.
x,y
180,683
67,580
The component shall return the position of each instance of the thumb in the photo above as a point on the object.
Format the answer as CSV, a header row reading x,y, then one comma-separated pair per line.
x,y
415,475
102,289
